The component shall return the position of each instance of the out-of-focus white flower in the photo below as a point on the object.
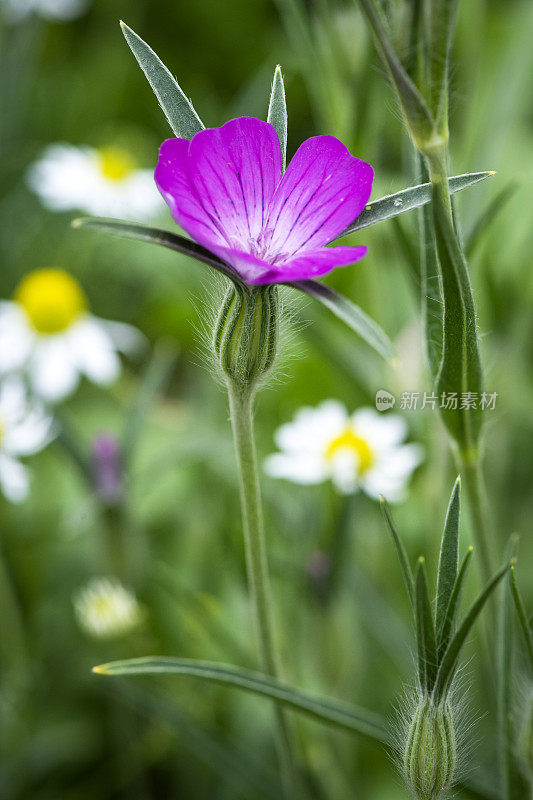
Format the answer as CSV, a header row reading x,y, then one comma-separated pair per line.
x,y
105,608
25,429
55,10
104,182
359,451
47,332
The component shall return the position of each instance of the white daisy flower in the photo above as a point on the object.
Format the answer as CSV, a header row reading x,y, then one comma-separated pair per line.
x,y
47,332
56,10
25,429
106,183
105,608
359,451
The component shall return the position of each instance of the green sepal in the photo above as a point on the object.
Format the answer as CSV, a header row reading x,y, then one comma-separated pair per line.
x,y
176,106
333,712
277,113
448,557
351,315
425,631
413,197
448,663
448,623
401,551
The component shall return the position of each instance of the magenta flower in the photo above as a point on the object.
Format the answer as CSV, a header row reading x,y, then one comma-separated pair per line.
x,y
226,189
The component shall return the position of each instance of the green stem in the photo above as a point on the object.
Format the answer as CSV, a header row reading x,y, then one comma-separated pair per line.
x,y
240,401
473,483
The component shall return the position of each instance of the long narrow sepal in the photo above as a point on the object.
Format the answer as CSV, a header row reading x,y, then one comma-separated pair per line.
x,y
425,631
176,106
449,557
525,625
414,197
401,551
133,230
443,635
449,660
351,315
277,113
334,712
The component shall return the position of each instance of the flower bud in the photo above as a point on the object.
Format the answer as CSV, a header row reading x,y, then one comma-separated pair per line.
x,y
430,755
246,333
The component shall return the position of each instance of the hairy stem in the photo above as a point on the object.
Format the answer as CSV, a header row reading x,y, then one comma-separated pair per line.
x,y
240,401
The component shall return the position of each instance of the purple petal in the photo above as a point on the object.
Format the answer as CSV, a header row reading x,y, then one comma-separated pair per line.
x,y
323,190
310,264
220,185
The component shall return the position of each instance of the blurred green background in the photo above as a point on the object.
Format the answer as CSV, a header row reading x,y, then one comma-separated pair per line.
x,y
68,734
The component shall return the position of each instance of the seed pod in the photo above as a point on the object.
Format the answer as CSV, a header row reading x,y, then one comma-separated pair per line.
x,y
246,333
430,756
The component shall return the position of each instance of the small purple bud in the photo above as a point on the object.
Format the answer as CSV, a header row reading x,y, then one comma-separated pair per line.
x,y
318,566
106,461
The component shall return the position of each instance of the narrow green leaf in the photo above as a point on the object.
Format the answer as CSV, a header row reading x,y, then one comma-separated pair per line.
x,y
277,113
132,230
406,199
177,108
400,549
453,606
417,115
430,281
352,315
442,28
460,370
448,557
334,712
425,631
522,616
449,661
512,782
488,216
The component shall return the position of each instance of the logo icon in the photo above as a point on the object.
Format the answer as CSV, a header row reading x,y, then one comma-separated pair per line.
x,y
384,400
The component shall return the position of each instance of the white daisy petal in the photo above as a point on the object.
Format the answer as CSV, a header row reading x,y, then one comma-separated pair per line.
x,y
299,469
93,351
383,430
68,177
16,337
312,428
52,370
29,435
14,479
344,471
126,338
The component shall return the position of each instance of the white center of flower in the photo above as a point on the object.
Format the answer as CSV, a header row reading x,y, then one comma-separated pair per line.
x,y
115,164
52,300
348,441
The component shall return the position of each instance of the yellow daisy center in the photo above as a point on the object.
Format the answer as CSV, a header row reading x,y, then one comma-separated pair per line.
x,y
52,299
102,606
348,440
115,164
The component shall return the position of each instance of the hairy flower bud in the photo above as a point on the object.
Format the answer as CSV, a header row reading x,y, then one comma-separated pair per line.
x,y
429,758
246,333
